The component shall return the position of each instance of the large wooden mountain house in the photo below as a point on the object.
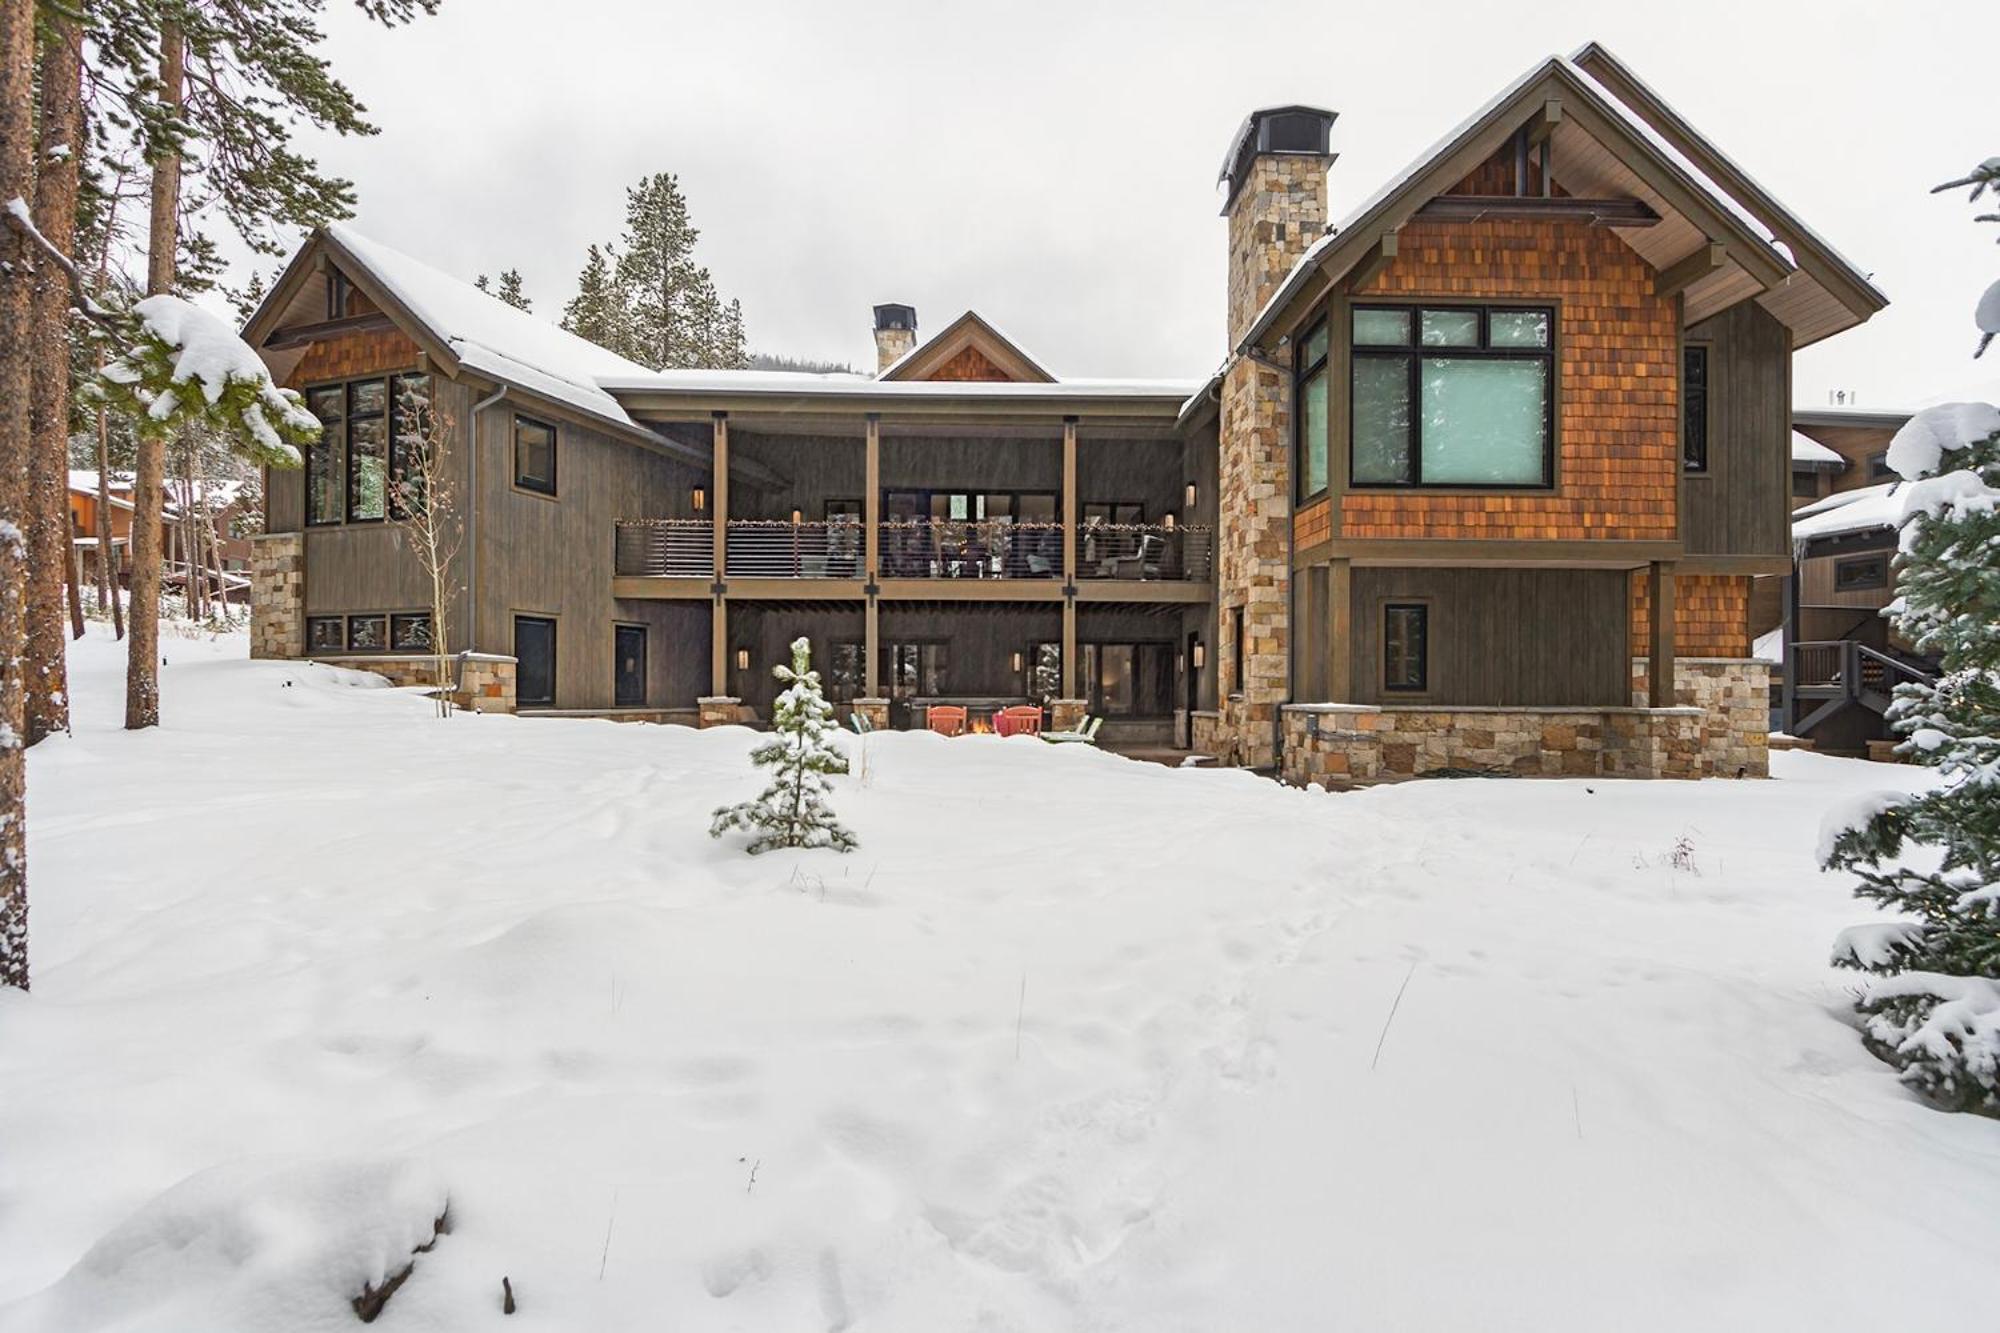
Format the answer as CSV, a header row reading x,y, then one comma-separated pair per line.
x,y
1487,461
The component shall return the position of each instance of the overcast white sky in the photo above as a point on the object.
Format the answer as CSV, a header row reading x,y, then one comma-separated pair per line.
x,y
1053,165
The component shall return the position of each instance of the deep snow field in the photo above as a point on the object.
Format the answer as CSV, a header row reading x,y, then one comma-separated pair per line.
x,y
1071,1042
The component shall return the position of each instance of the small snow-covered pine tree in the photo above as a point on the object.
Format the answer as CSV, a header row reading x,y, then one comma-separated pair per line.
x,y
1933,1006
792,811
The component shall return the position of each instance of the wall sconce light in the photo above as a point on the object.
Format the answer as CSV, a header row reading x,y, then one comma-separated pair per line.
x,y
798,518
698,497
743,658
1017,661
1190,495
1200,655
1180,664
1167,521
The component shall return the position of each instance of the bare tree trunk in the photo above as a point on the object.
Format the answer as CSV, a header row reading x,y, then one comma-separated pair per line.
x,y
73,581
142,662
61,132
17,265
109,577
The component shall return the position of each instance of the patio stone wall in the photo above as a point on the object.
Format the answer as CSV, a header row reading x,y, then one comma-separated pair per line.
x,y
1734,694
278,595
719,710
485,682
875,710
1344,745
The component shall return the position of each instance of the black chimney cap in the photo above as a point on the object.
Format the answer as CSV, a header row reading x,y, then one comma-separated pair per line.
x,y
1306,130
895,317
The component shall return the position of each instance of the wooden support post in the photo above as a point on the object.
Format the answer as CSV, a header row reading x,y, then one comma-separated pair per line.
x,y
719,515
1787,658
718,651
1069,507
1660,649
1339,630
871,508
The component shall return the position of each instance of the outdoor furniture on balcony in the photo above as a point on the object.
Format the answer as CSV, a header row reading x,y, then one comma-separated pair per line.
x,y
1144,551
970,549
1019,720
665,548
945,719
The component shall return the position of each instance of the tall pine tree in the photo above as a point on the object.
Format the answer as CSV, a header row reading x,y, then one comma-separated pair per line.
x,y
647,299
1933,1008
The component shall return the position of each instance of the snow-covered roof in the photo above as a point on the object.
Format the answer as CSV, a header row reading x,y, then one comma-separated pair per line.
x,y
801,383
1849,511
1807,450
490,336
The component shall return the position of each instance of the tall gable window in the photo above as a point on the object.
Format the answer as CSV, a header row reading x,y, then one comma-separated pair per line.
x,y
1694,408
1453,396
534,455
366,427
1310,395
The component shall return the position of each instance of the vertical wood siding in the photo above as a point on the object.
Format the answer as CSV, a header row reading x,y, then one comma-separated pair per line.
x,y
1741,505
1500,636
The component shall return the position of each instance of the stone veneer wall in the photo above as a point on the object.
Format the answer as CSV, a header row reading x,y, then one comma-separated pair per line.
x,y
1279,210
485,681
278,595
1344,745
1734,694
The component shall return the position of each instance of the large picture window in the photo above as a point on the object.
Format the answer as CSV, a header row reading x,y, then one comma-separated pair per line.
x,y
1310,419
366,427
1453,396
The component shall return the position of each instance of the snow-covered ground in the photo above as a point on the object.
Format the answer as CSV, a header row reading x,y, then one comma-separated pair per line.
x,y
1070,1042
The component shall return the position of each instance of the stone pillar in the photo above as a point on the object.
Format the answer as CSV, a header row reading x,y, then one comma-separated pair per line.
x,y
1276,208
486,683
875,710
278,594
719,710
1067,714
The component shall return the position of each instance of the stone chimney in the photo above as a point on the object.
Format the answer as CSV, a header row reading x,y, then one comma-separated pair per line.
x,y
1275,176
895,334
1275,181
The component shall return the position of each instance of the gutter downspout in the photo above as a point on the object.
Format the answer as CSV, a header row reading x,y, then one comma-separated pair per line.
x,y
472,518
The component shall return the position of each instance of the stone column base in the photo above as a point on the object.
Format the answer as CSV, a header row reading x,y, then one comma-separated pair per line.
x,y
486,683
875,710
278,595
1068,714
719,710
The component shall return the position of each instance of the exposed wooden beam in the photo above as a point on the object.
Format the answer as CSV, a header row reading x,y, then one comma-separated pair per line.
x,y
1677,277
1560,208
1544,124
1378,258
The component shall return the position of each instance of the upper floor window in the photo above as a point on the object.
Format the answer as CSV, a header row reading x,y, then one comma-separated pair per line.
x,y
365,431
1310,395
1458,396
1694,408
1878,467
534,455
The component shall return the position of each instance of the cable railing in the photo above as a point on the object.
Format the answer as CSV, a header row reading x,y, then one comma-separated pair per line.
x,y
992,548
989,548
665,548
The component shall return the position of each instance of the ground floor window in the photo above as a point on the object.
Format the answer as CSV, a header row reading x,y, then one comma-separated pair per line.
x,y
535,661
410,632
1406,647
916,670
326,634
1117,679
845,677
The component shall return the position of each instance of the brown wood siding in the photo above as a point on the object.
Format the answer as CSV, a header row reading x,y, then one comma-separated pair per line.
x,y
1711,615
1855,444
1816,581
544,556
1617,427
1500,636
969,364
1312,525
1742,504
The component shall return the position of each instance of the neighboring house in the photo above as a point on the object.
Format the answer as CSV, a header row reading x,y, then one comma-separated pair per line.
x,y
1843,658
1839,449
83,522
1480,456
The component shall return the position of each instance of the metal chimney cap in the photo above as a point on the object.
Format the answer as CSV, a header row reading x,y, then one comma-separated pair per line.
x,y
893,316
1304,130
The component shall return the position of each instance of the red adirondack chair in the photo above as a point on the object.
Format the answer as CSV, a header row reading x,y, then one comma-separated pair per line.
x,y
945,719
1018,720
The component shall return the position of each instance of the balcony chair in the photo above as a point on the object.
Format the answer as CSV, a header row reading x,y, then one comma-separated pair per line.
x,y
945,719
1084,735
1145,563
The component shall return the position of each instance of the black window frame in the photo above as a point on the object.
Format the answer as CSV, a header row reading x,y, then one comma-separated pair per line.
x,y
380,618
1695,401
338,439
338,642
1415,351
522,481
398,620
1422,610
619,629
1873,568
1300,376
347,514
1878,467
